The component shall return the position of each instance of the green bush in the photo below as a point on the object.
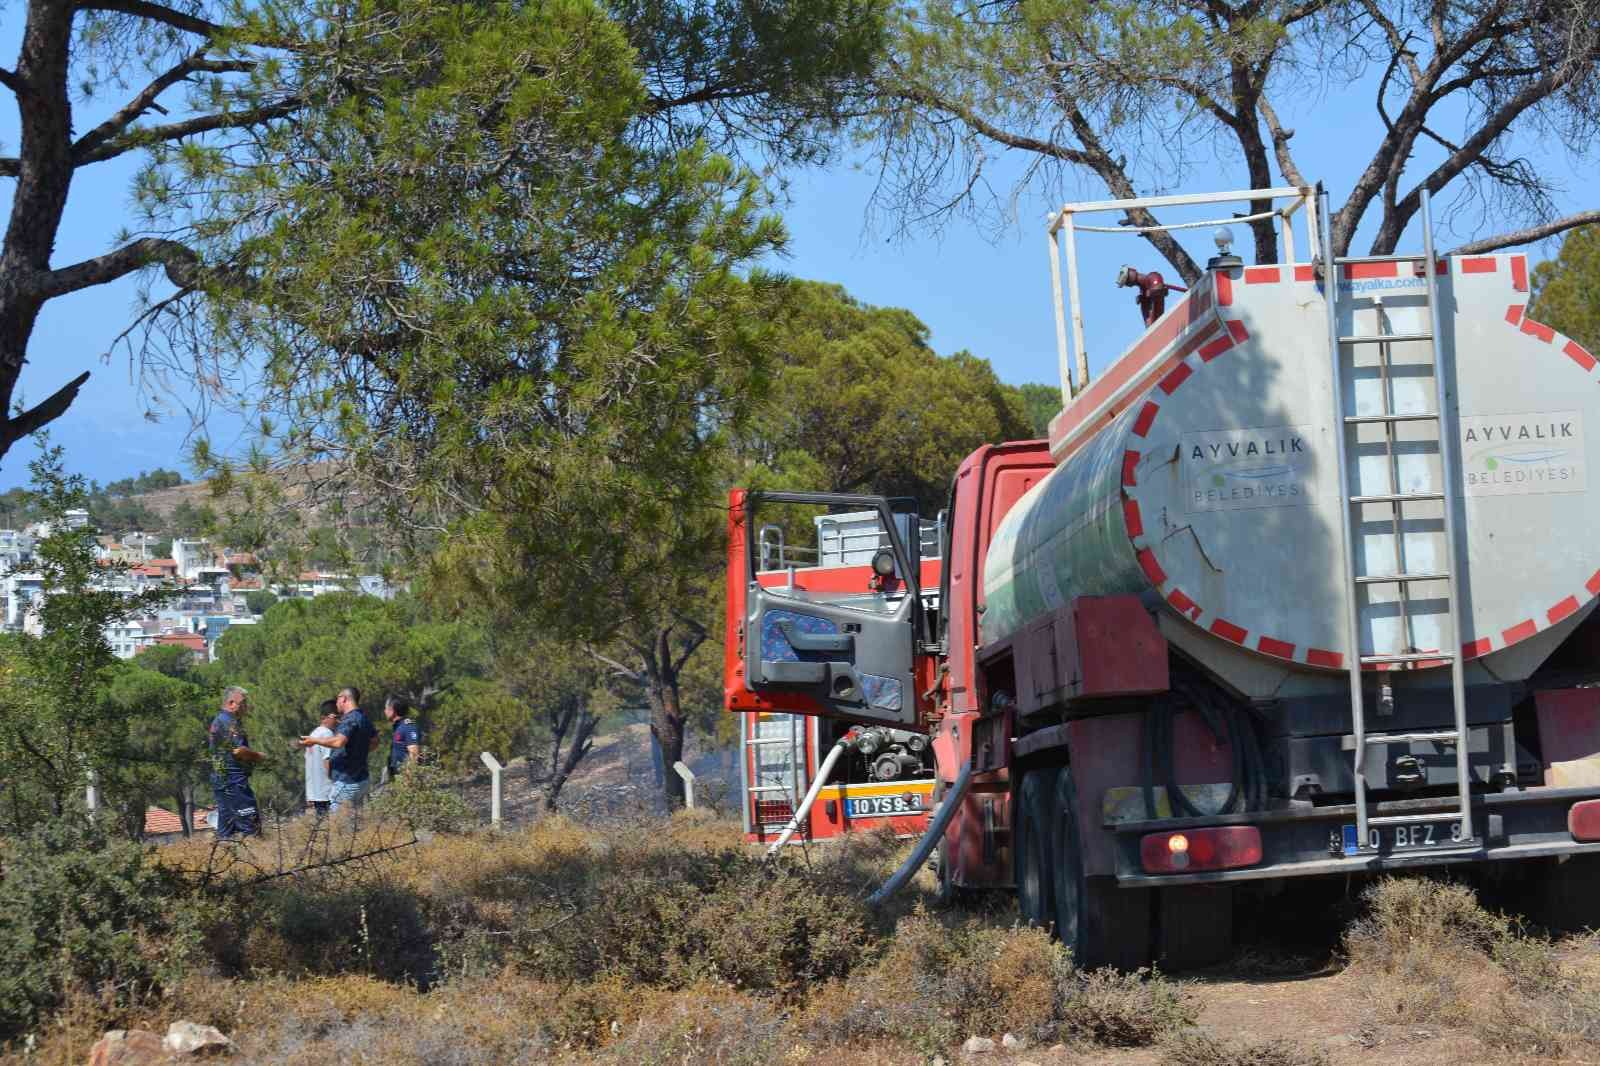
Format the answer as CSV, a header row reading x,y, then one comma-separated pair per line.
x,y
79,911
652,913
420,797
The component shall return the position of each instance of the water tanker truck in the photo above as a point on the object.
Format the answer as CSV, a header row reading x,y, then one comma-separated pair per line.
x,y
1300,586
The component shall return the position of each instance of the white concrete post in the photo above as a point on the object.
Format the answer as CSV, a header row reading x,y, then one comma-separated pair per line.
x,y
494,786
688,782
91,794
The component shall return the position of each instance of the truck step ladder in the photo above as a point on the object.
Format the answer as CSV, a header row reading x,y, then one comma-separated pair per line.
x,y
1342,349
775,768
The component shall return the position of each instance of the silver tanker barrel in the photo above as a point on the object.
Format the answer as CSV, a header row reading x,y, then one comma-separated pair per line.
x,y
1200,471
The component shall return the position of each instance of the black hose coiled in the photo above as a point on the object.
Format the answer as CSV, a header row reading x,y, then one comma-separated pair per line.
x,y
1229,723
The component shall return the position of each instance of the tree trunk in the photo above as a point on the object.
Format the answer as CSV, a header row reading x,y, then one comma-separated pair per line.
x,y
582,742
666,726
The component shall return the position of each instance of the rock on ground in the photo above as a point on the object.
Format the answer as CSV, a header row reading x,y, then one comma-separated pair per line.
x,y
128,1047
188,1038
977,1045
140,1047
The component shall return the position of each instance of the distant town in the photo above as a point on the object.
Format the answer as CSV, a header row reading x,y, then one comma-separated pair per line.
x,y
214,587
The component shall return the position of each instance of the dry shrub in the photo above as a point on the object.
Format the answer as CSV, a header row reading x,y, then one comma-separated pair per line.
x,y
1430,952
1423,945
1114,1009
1196,1048
938,983
656,913
705,1024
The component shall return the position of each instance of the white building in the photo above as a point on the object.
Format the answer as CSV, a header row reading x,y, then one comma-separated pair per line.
x,y
22,592
126,638
191,556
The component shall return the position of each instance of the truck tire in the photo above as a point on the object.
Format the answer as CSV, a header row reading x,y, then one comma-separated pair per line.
x,y
1030,836
1101,924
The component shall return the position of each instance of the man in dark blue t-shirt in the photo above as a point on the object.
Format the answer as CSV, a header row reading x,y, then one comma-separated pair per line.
x,y
354,738
406,744
231,762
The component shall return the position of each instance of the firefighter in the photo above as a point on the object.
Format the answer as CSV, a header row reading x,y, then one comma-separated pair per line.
x,y
232,760
406,744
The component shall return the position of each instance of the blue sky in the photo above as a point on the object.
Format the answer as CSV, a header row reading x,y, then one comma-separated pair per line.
x,y
990,297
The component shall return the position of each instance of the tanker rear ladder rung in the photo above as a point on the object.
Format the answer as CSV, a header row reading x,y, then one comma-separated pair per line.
x,y
1346,313
1412,738
1386,338
1399,497
1409,657
762,742
1405,819
770,788
1363,420
1385,579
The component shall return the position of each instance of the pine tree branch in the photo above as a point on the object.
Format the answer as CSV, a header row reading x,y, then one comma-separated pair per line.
x,y
1280,143
41,415
1528,235
155,13
180,261
172,131
133,109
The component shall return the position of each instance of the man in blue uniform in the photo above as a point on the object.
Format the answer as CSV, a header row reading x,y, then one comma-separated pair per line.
x,y
353,739
406,744
231,763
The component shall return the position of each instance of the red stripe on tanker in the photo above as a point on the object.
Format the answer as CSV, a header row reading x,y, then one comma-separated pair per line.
x,y
1235,501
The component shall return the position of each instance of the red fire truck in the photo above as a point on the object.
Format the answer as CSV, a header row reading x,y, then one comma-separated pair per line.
x,y
1301,586
885,777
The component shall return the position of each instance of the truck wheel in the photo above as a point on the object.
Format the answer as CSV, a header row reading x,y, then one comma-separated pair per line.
x,y
1101,924
1030,836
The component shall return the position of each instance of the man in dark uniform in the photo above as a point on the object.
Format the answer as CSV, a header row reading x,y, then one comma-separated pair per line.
x,y
406,744
231,763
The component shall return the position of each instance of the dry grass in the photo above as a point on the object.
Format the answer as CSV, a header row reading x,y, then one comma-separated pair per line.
x,y
669,942
1428,952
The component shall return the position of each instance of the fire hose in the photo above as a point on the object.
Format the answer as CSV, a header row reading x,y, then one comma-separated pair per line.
x,y
930,839
844,744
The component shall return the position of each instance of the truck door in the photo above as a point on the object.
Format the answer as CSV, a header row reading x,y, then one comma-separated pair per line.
x,y
832,605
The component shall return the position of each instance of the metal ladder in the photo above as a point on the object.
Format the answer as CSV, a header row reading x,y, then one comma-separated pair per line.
x,y
789,738
1347,425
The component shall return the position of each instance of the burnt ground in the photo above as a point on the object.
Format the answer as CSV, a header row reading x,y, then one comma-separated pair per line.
x,y
615,782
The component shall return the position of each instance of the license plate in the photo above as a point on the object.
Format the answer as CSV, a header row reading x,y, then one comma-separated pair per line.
x,y
880,806
1405,836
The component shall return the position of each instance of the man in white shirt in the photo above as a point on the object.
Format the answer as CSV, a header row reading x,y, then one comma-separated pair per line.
x,y
319,785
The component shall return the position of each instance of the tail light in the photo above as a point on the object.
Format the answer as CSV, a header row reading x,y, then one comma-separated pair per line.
x,y
1219,848
1583,821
